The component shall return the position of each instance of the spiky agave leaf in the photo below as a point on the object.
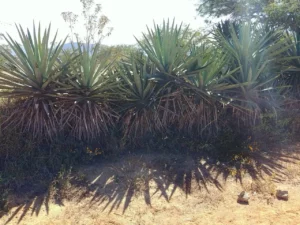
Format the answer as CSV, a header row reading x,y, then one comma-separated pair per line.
x,y
90,85
29,76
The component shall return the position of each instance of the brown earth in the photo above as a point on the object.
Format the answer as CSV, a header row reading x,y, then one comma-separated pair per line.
x,y
170,189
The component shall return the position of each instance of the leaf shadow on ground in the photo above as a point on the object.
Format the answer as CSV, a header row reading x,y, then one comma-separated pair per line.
x,y
160,175
113,184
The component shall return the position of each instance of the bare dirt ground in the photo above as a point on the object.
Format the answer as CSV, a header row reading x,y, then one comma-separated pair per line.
x,y
149,189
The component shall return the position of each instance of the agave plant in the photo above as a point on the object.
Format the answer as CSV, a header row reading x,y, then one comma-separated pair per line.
x,y
208,89
186,99
167,50
140,97
29,77
254,51
90,86
168,47
291,71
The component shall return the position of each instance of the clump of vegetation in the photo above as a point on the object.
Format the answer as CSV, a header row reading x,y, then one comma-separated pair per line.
x,y
174,83
214,94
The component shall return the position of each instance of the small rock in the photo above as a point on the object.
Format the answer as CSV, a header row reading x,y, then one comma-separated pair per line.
x,y
243,197
283,195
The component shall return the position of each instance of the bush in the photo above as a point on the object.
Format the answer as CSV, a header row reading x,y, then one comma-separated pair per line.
x,y
278,128
29,166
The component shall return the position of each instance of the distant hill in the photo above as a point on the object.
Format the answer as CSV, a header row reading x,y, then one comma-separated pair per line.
x,y
69,46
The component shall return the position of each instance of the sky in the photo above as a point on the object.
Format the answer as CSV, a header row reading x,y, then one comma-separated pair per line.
x,y
127,17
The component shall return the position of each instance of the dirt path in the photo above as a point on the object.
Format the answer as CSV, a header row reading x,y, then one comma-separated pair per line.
x,y
154,189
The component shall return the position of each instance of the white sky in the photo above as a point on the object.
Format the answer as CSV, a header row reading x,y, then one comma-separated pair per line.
x,y
128,17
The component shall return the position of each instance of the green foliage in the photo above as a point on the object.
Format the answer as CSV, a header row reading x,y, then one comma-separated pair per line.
x,y
176,80
178,69
32,65
291,68
140,99
284,13
90,89
254,51
235,9
167,48
29,77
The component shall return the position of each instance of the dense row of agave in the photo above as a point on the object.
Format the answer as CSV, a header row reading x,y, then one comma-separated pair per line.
x,y
169,82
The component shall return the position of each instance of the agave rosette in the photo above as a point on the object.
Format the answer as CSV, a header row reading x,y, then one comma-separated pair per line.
x,y
29,76
90,85
254,51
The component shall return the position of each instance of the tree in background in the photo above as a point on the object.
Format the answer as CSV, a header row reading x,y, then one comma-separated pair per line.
x,y
234,9
95,24
71,18
286,13
275,13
